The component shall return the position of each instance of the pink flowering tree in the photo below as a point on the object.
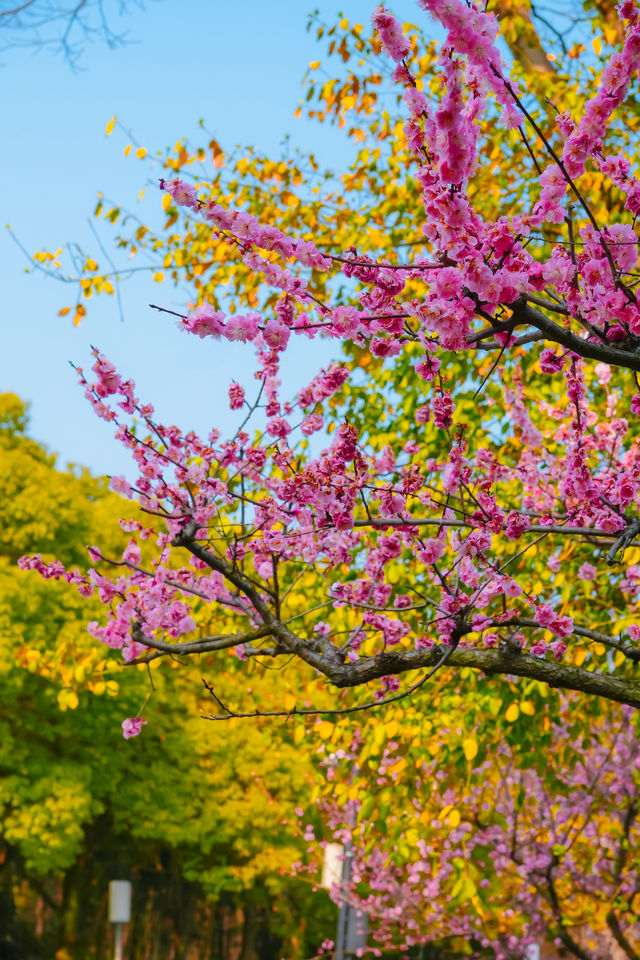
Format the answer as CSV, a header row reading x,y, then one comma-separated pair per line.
x,y
496,851
501,541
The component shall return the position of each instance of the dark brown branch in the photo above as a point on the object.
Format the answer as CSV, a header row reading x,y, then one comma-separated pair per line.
x,y
437,522
493,661
371,705
204,645
619,937
320,653
633,653
523,313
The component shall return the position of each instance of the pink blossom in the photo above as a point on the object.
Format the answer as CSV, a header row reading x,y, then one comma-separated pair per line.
x,y
312,423
120,485
516,525
236,396
132,726
276,334
550,362
205,322
241,327
442,407
393,40
428,367
587,571
431,551
415,100
278,427
183,193
423,413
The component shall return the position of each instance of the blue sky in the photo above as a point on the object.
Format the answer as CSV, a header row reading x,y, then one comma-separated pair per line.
x,y
237,66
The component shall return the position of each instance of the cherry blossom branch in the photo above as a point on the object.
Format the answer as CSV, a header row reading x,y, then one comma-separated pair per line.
x,y
524,313
633,653
440,522
491,662
304,711
205,645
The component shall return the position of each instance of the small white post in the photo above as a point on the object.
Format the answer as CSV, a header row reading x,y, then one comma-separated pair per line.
x,y
119,911
332,865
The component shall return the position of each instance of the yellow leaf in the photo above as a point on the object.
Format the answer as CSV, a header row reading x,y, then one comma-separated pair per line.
x,y
72,700
141,153
324,729
298,734
127,149
470,747
64,311
107,286
289,702
379,735
512,713
391,728
142,193
527,707
110,125
596,43
454,819
469,888
166,201
159,276
79,314
344,24
314,64
91,264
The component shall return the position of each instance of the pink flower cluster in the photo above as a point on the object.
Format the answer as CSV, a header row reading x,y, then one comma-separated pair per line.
x,y
441,510
533,843
390,30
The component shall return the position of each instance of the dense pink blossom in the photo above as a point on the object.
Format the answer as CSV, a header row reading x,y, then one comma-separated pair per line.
x,y
236,396
390,30
479,456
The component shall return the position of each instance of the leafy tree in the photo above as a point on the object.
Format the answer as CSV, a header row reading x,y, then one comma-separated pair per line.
x,y
461,832
200,819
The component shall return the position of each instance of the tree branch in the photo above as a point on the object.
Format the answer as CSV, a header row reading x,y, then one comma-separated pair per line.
x,y
491,661
523,313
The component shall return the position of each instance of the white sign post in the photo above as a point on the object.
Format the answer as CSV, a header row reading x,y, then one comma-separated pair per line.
x,y
332,865
119,911
351,934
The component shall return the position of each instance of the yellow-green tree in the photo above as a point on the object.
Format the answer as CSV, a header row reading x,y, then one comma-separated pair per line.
x,y
198,815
